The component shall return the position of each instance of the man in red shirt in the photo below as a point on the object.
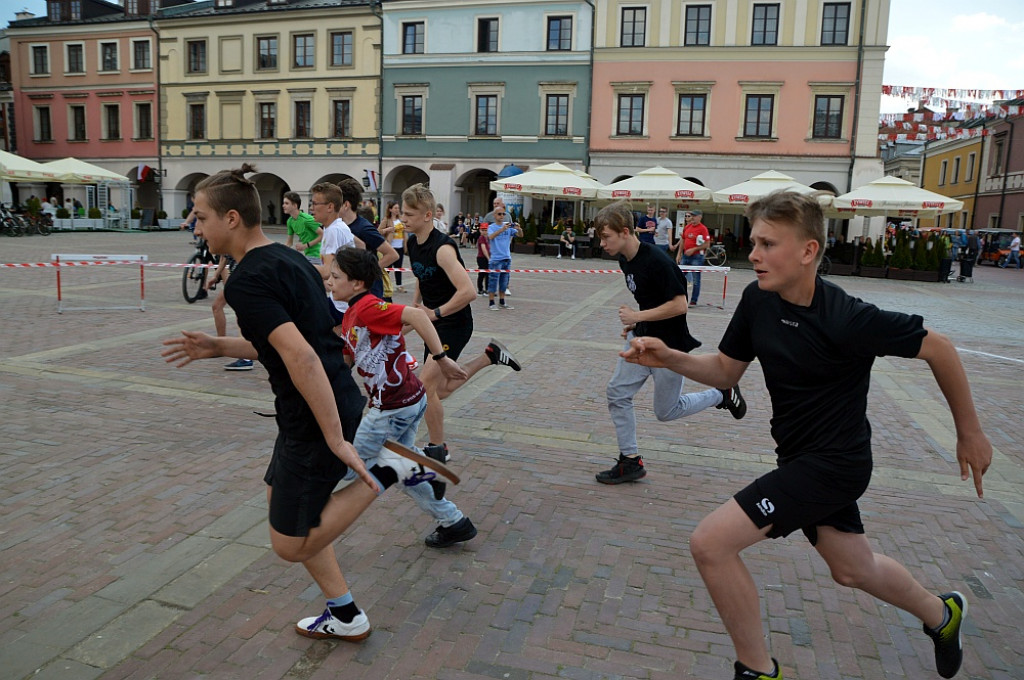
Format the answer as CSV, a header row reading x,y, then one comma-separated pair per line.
x,y
696,240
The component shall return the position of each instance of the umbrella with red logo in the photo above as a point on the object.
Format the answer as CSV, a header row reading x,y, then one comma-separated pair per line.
x,y
895,196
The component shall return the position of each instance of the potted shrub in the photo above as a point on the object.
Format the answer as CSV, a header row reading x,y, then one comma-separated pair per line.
x,y
902,258
94,219
162,221
527,244
135,218
872,259
843,259
63,219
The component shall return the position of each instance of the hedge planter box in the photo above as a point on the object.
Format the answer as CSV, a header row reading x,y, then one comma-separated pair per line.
x,y
524,248
873,272
842,269
913,275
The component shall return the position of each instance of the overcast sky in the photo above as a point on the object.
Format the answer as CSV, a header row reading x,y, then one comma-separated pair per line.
x,y
933,43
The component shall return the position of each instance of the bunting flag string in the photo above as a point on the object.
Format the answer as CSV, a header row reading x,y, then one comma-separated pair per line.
x,y
913,92
933,136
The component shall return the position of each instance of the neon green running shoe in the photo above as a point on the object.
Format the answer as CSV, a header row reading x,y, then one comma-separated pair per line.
x,y
949,649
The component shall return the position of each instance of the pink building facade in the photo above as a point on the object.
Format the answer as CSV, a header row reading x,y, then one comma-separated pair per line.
x,y
88,88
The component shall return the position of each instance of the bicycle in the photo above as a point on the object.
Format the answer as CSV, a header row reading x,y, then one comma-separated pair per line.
x,y
38,224
716,256
825,266
193,278
11,224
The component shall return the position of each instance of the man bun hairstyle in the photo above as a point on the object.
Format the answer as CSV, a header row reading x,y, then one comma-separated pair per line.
x,y
231,190
358,264
801,211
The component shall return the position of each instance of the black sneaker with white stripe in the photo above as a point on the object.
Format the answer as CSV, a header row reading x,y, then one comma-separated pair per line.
x,y
499,354
733,400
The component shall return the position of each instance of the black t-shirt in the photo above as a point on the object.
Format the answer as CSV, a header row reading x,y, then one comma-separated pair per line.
x,y
435,287
274,285
654,279
364,230
646,222
817,363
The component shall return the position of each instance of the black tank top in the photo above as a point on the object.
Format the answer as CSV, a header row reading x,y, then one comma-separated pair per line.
x,y
435,287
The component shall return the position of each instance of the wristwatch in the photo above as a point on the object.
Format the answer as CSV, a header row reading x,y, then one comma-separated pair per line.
x,y
438,357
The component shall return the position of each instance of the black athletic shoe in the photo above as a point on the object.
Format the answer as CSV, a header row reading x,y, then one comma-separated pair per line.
x,y
626,469
734,401
463,530
744,673
949,650
499,354
438,452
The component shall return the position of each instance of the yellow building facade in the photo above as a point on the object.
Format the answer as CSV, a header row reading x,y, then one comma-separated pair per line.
x,y
289,89
952,168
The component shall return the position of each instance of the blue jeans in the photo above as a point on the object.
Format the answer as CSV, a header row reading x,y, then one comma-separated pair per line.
x,y
670,402
400,425
498,282
693,277
1014,256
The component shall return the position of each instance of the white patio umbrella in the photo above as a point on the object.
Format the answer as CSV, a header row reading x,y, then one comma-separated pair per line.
x,y
736,198
75,171
895,196
15,168
658,184
553,181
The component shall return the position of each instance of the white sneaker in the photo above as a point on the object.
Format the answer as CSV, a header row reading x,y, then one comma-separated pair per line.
x,y
574,257
508,292
558,258
325,627
409,472
506,306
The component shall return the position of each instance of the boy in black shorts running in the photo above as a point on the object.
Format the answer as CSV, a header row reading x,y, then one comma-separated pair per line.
x,y
816,345
278,299
444,291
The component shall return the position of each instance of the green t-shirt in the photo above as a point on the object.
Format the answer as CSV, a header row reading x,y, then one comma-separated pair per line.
x,y
304,226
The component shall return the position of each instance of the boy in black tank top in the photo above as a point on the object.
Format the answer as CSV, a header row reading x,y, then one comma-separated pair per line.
x,y
816,346
444,291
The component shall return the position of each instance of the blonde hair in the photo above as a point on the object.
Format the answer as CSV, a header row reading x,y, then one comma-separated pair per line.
x,y
418,196
230,190
331,194
802,212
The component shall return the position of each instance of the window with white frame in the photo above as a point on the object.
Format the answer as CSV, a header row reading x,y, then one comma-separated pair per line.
x,y
74,58
559,34
487,34
765,28
196,56
486,115
110,57
41,120
302,122
835,23
40,63
956,171
698,25
76,10
759,115
266,52
690,116
412,115
197,120
142,55
111,122
303,50
341,48
76,123
413,37
556,98
633,27
828,116
943,167
630,119
970,167
341,118
267,120
143,127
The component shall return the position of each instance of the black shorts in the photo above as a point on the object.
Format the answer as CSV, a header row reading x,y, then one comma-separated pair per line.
x,y
302,476
807,492
454,337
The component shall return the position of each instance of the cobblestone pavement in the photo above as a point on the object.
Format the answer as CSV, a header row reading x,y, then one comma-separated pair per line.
x,y
134,540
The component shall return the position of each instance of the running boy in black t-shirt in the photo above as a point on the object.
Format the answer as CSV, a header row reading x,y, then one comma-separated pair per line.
x,y
278,299
816,345
659,288
444,291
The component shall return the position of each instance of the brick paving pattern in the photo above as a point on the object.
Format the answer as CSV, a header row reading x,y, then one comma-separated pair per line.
x,y
134,541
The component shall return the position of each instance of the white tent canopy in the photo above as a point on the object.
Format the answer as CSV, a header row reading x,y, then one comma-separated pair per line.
x,y
551,181
894,196
737,197
73,171
658,184
15,168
